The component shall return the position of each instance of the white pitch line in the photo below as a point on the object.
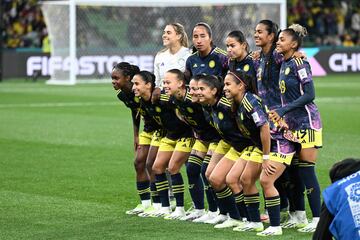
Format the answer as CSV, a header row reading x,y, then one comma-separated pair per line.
x,y
59,104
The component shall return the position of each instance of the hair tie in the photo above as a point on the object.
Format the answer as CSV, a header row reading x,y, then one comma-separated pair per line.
x,y
233,74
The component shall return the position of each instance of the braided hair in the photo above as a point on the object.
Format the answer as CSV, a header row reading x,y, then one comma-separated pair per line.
x,y
127,69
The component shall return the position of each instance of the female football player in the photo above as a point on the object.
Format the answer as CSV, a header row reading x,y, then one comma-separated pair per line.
x,y
238,51
174,148
252,122
207,137
122,75
175,53
239,60
219,110
300,114
268,67
208,58
173,56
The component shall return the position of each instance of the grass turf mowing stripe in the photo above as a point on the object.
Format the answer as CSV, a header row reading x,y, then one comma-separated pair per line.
x,y
67,172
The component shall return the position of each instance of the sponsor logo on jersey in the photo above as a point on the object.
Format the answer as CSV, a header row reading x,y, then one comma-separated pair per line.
x,y
246,68
220,115
287,71
189,109
181,61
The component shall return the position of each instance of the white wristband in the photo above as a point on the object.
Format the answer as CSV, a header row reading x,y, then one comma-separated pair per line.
x,y
266,157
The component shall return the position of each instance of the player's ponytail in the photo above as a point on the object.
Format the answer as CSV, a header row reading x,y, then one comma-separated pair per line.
x,y
271,28
148,77
239,37
297,32
180,30
248,80
213,82
179,75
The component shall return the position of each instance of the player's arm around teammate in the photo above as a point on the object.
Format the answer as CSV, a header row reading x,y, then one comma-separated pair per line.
x,y
210,95
214,142
174,148
192,113
268,69
300,113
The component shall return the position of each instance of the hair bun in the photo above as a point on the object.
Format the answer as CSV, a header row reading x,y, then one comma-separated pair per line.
x,y
300,30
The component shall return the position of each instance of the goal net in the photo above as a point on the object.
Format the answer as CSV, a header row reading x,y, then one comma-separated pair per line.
x,y
88,37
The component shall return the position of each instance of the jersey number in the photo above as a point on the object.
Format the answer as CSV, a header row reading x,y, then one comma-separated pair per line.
x,y
282,86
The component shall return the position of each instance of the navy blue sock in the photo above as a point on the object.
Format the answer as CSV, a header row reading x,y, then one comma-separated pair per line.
x,y
209,191
280,185
252,203
273,207
297,190
240,203
196,187
178,189
222,208
143,189
308,176
227,200
154,194
162,186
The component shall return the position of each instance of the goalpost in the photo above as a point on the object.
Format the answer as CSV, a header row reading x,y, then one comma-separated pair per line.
x,y
88,37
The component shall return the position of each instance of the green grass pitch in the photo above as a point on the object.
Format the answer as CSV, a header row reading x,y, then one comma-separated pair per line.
x,y
67,162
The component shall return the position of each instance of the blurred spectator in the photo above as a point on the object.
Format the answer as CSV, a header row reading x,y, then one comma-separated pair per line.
x,y
23,24
348,42
329,22
355,22
46,43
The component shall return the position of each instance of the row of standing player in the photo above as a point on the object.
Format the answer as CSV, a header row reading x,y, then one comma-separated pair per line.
x,y
237,118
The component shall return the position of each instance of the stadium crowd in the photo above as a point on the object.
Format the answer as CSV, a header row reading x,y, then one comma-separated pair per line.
x,y
23,24
330,23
